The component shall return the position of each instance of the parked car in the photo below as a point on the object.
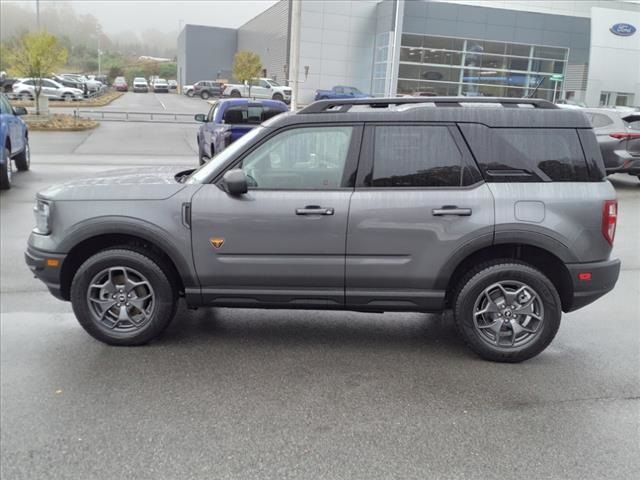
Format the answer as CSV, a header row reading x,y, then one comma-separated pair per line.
x,y
260,88
340,91
160,85
120,84
26,87
92,85
140,85
230,119
173,85
14,135
205,89
429,206
618,134
69,82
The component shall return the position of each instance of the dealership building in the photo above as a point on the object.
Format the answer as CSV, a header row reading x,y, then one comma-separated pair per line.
x,y
588,51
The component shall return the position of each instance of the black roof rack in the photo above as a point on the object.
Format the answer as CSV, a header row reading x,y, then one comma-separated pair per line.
x,y
344,104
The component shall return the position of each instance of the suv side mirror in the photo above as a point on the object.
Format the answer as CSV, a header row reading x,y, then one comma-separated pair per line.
x,y
200,117
234,182
18,111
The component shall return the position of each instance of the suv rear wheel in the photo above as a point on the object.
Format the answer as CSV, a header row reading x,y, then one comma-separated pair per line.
x,y
204,95
123,297
507,311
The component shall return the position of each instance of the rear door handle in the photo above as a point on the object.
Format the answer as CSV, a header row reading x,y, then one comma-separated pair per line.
x,y
451,210
314,210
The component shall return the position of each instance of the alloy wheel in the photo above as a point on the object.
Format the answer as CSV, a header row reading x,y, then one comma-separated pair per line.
x,y
508,314
121,299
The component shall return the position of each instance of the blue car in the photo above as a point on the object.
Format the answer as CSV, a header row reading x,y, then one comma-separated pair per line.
x,y
229,119
14,135
340,91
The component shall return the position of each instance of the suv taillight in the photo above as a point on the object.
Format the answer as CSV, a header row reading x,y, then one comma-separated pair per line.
x,y
609,220
624,136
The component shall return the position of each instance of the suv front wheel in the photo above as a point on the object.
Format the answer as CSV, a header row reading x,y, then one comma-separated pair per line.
x,y
507,311
123,297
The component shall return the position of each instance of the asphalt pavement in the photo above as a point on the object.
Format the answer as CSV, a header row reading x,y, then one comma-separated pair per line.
x,y
308,395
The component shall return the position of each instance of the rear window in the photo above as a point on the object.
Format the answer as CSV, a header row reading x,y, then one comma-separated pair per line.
x,y
527,154
252,115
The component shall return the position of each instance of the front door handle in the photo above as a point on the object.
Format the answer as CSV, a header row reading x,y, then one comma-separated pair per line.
x,y
314,210
451,210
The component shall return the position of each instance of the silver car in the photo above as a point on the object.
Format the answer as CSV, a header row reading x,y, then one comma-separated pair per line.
x,y
502,215
618,134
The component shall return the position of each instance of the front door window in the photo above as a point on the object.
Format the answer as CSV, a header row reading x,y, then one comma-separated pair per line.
x,y
311,158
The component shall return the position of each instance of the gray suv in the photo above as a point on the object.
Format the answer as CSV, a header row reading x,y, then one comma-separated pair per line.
x,y
495,208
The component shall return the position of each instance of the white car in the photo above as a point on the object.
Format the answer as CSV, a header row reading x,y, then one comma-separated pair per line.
x,y
140,85
260,88
25,89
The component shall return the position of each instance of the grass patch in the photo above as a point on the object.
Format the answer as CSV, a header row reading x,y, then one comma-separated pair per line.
x,y
59,123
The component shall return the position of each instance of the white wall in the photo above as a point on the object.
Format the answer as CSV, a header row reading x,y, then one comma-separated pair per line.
x,y
336,42
576,8
614,61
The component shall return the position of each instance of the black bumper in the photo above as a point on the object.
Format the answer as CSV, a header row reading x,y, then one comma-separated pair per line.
x,y
603,277
38,263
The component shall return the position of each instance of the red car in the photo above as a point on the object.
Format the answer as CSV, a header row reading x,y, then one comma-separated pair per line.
x,y
120,84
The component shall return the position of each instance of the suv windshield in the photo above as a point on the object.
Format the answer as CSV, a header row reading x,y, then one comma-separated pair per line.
x,y
202,173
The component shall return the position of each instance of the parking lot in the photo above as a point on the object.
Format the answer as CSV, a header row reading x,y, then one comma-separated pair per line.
x,y
290,394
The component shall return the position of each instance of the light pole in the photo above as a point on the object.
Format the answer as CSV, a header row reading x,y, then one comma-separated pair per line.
x,y
99,55
38,14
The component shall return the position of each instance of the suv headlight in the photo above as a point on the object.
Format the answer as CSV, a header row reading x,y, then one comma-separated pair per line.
x,y
42,210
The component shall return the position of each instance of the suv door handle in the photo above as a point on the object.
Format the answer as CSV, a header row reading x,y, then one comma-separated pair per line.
x,y
314,210
451,210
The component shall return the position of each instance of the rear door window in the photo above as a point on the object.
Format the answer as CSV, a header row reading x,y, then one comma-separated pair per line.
x,y
415,156
527,154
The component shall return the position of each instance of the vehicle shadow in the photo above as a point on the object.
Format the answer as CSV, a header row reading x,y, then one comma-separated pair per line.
x,y
290,328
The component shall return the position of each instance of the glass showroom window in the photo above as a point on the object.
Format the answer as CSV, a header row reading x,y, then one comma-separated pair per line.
x,y
455,66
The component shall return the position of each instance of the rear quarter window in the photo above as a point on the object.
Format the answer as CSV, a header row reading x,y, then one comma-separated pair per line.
x,y
527,154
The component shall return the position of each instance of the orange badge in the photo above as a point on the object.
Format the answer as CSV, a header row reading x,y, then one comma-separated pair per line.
x,y
216,242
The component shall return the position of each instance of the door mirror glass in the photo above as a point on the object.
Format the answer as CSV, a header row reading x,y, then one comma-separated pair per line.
x,y
200,117
234,182
18,111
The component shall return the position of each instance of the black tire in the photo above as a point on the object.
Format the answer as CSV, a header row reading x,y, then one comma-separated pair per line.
x,y
151,269
23,159
189,93
235,94
278,96
482,278
67,97
25,96
204,95
5,170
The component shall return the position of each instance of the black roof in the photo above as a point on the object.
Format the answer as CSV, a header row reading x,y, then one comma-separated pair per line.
x,y
493,112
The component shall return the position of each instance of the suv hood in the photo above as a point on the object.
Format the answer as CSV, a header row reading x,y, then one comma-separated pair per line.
x,y
155,183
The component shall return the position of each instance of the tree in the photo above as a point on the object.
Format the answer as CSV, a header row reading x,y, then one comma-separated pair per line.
x,y
246,65
36,55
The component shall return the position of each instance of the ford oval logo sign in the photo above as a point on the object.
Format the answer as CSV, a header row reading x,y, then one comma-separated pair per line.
x,y
623,29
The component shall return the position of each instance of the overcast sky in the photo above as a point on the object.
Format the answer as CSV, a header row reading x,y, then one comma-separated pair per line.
x,y
164,15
